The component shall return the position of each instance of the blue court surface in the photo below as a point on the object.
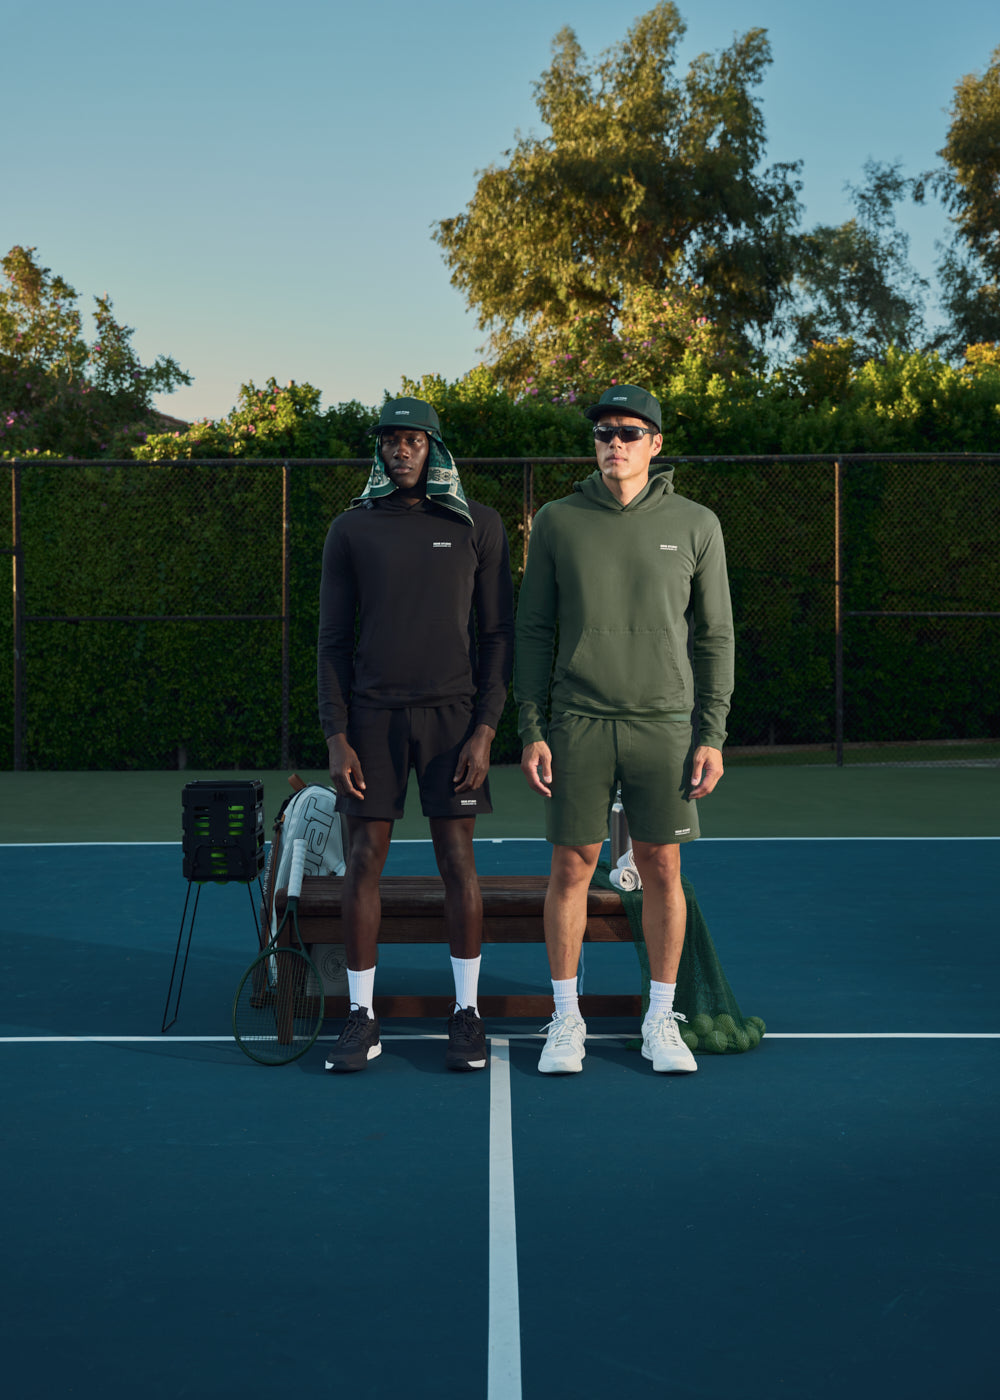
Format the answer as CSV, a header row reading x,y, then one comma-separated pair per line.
x,y
816,1218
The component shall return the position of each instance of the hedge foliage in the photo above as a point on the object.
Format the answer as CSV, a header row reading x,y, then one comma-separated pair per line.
x,y
187,539
820,403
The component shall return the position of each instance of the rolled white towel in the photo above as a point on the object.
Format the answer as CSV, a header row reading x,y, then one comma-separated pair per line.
x,y
625,876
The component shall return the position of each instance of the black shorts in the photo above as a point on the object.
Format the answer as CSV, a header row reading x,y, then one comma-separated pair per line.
x,y
391,742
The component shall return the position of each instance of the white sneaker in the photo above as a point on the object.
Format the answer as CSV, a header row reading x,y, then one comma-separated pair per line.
x,y
563,1052
661,1043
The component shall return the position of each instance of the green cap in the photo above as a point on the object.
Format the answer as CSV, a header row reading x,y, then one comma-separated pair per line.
x,y
407,413
627,398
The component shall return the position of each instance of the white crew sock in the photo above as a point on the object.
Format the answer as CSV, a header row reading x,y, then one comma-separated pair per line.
x,y
361,989
661,997
466,973
567,1002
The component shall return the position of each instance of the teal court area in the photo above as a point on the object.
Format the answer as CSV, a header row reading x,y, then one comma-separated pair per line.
x,y
815,1217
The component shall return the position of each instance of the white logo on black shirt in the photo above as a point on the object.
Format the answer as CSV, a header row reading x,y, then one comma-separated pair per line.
x,y
442,544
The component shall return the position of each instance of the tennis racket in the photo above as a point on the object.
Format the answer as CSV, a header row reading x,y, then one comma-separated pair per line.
x,y
278,1007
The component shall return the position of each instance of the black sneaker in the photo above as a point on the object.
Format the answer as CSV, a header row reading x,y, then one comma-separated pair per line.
x,y
358,1042
466,1040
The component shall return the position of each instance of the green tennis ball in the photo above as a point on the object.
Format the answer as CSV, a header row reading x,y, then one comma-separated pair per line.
x,y
740,1040
690,1039
702,1024
725,1023
753,1035
716,1042
756,1021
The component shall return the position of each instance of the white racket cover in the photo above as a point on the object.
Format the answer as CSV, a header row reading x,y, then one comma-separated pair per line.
x,y
297,869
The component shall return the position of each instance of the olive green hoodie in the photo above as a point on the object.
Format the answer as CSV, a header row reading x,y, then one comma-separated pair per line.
x,y
620,584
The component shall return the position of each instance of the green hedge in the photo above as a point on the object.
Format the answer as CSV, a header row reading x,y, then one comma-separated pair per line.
x,y
181,538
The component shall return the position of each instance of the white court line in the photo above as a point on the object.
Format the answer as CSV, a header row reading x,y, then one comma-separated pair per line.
x,y
513,840
882,1035
504,1356
61,845
520,1035
397,841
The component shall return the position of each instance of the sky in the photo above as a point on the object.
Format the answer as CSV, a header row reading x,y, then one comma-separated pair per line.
x,y
255,186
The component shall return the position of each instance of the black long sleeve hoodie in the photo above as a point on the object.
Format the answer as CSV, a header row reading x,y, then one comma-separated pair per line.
x,y
432,600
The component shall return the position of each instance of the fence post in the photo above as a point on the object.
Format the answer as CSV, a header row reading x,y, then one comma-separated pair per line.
x,y
286,647
838,611
17,562
527,510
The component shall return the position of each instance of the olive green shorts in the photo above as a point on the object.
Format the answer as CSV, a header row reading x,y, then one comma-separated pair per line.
x,y
651,761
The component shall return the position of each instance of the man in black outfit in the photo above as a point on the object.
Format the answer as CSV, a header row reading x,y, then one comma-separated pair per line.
x,y
420,577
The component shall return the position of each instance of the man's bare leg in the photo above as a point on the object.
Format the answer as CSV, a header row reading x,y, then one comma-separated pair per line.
x,y
361,904
361,910
664,908
565,914
565,919
664,922
463,900
463,922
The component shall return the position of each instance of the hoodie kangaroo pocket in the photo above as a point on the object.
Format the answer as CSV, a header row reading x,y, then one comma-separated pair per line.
x,y
625,669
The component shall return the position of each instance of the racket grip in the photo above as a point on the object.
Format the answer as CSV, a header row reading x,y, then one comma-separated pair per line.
x,y
297,869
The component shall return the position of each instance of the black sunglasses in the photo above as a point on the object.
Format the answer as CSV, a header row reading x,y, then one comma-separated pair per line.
x,y
606,432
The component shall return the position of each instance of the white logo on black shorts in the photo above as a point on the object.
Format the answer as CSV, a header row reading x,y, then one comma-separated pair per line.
x,y
442,544
470,802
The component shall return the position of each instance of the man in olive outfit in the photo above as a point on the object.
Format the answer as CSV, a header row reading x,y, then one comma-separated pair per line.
x,y
618,572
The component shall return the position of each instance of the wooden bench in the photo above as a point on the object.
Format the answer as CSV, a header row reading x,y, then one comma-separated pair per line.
x,y
413,912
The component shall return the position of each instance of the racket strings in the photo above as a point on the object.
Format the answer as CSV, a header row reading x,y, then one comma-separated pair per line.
x,y
278,1009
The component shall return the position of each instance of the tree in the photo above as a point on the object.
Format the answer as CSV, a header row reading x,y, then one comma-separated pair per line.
x,y
970,189
646,186
854,281
654,330
58,394
39,322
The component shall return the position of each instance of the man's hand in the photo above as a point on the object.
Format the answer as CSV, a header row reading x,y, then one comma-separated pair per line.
x,y
536,765
345,768
474,759
706,770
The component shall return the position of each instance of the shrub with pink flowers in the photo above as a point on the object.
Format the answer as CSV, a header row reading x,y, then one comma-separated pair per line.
x,y
273,421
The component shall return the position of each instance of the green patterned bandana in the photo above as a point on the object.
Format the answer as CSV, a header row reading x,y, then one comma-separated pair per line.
x,y
443,484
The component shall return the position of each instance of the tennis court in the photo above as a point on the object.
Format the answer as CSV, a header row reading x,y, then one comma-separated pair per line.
x,y
817,1215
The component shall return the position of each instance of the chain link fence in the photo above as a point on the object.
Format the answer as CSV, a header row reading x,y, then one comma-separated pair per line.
x,y
165,614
